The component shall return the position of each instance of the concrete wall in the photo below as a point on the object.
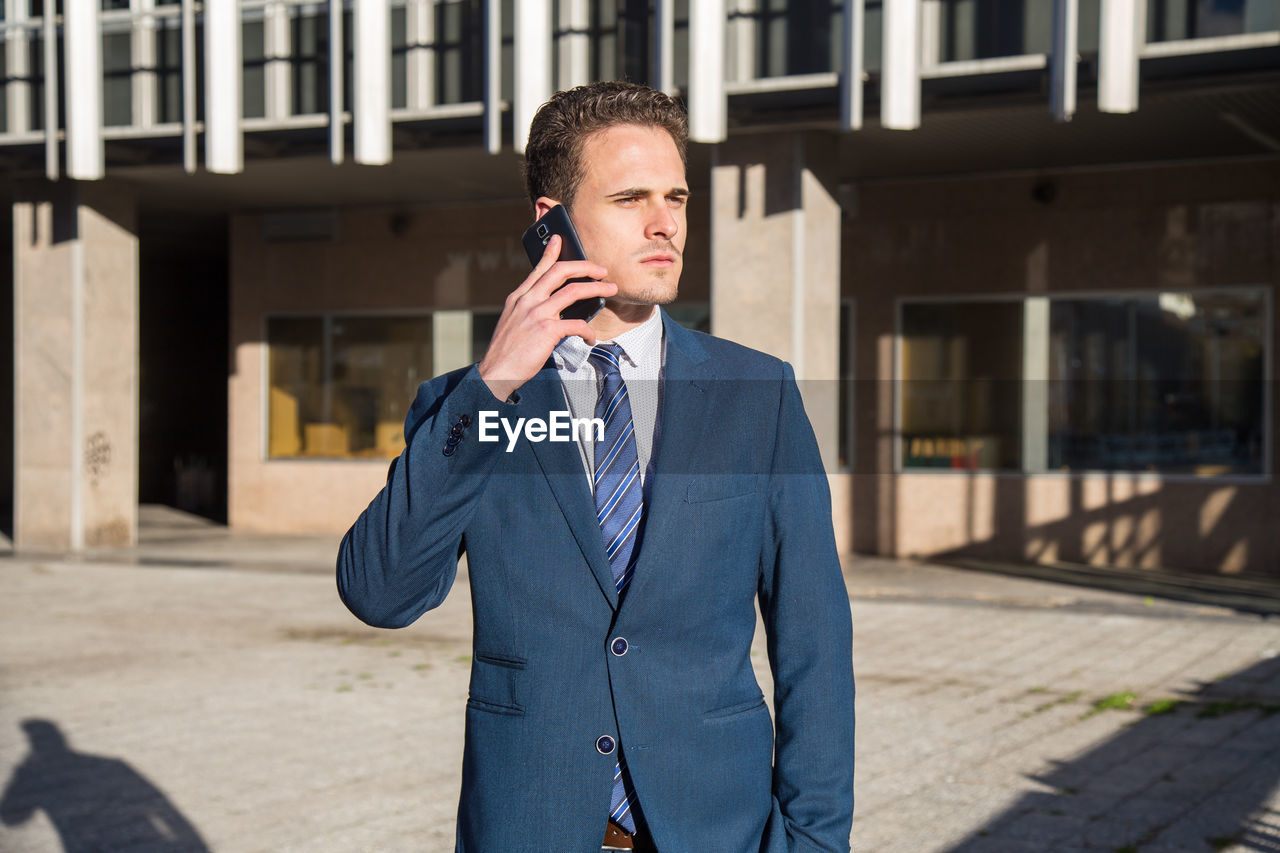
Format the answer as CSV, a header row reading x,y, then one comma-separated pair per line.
x,y
1129,230
382,259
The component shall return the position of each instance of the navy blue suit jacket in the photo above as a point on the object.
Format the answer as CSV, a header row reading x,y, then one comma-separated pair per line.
x,y
739,513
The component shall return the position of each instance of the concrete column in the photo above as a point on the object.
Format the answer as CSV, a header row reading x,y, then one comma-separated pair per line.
x,y
775,281
75,366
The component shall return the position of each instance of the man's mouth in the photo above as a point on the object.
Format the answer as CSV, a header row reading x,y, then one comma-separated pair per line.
x,y
660,259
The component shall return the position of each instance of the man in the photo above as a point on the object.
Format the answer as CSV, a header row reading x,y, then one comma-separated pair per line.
x,y
614,580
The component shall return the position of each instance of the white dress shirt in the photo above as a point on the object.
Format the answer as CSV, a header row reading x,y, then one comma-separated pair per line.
x,y
643,354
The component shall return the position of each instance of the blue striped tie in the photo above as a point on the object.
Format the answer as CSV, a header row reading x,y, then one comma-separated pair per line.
x,y
620,511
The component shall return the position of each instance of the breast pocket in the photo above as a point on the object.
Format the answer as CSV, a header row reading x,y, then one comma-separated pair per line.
x,y
710,488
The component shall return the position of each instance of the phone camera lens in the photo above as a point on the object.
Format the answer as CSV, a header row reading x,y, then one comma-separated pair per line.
x,y
542,230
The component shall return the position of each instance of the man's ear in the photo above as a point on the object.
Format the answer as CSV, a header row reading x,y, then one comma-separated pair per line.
x,y
542,205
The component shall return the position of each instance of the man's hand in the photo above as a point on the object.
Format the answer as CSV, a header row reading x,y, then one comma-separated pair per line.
x,y
530,325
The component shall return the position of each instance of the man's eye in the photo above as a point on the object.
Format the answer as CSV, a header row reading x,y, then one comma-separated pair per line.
x,y
676,200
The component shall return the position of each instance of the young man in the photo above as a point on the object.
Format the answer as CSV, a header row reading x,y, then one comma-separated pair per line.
x,y
614,580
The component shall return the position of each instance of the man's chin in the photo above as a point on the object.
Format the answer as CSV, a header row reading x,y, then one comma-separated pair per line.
x,y
650,293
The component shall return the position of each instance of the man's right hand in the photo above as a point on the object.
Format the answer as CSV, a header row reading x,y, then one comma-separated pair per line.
x,y
530,325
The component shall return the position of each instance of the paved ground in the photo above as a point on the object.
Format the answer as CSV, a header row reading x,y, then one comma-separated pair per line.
x,y
207,691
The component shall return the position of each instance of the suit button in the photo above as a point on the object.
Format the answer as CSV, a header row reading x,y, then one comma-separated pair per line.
x,y
605,745
619,646
466,420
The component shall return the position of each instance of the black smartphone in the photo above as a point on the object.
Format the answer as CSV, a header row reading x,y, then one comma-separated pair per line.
x,y
556,221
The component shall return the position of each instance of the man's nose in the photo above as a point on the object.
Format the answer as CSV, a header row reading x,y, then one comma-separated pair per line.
x,y
662,224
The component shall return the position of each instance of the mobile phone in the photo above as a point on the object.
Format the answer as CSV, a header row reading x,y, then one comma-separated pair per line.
x,y
556,221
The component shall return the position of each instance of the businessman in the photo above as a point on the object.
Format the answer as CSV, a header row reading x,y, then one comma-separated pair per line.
x,y
615,567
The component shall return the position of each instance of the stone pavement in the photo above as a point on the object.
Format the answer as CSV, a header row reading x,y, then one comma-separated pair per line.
x,y
207,691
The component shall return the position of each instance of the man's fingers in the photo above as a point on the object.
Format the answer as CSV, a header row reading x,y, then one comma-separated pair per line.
x,y
571,293
549,256
561,272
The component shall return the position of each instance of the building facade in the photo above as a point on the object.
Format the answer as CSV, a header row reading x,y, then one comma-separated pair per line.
x,y
1021,253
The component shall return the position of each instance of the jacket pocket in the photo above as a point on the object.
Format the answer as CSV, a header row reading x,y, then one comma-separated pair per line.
x,y
495,684
706,488
737,709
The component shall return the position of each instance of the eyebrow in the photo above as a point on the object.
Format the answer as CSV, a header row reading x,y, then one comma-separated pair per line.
x,y
630,191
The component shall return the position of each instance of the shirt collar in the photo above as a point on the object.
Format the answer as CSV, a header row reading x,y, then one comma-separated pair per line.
x,y
639,345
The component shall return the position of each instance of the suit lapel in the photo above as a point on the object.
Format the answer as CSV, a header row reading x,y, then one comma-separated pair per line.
x,y
562,466
685,416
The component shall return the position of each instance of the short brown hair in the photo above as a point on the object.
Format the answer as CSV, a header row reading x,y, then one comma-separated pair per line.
x,y
553,155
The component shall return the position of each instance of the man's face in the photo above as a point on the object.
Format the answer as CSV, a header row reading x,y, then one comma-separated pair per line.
x,y
630,211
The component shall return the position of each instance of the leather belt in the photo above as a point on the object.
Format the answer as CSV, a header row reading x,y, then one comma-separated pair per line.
x,y
617,838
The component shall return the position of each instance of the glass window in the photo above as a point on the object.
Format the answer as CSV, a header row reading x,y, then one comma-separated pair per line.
x,y
254,58
117,83
169,72
459,51
961,385
1170,20
4,89
797,38
984,29
399,55
309,59
339,385
1170,382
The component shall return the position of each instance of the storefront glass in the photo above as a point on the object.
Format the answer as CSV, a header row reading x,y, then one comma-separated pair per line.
x,y
340,384
1168,382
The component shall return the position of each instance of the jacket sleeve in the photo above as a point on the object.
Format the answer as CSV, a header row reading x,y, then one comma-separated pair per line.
x,y
400,557
805,607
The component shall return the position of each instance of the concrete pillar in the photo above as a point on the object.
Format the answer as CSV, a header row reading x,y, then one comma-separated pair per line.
x,y
775,264
75,366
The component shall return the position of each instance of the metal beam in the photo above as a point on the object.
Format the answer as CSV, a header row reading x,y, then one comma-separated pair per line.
x,y
664,36
492,76
851,71
83,56
1062,68
223,139
189,155
371,94
337,73
1121,33
708,106
532,78
900,67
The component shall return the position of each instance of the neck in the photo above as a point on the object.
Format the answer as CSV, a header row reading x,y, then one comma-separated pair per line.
x,y
614,319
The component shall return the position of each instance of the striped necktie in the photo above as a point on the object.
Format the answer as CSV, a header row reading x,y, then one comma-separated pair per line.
x,y
620,511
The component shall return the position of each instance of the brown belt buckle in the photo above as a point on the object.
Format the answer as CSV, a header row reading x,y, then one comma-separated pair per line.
x,y
616,838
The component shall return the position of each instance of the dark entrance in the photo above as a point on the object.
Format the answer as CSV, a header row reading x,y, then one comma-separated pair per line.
x,y
184,307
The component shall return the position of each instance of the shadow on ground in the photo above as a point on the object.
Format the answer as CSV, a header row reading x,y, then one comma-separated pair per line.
x,y
1196,773
95,803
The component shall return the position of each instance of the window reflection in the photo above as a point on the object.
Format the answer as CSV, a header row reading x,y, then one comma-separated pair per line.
x,y
339,385
1170,382
1167,382
961,385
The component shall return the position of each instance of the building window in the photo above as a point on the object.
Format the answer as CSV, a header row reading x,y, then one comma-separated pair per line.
x,y
1166,382
784,38
984,29
339,384
1170,382
961,385
1173,20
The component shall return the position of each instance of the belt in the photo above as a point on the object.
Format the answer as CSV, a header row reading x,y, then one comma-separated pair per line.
x,y
617,838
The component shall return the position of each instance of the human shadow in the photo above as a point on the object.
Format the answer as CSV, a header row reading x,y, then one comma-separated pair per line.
x,y
95,803
1191,773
